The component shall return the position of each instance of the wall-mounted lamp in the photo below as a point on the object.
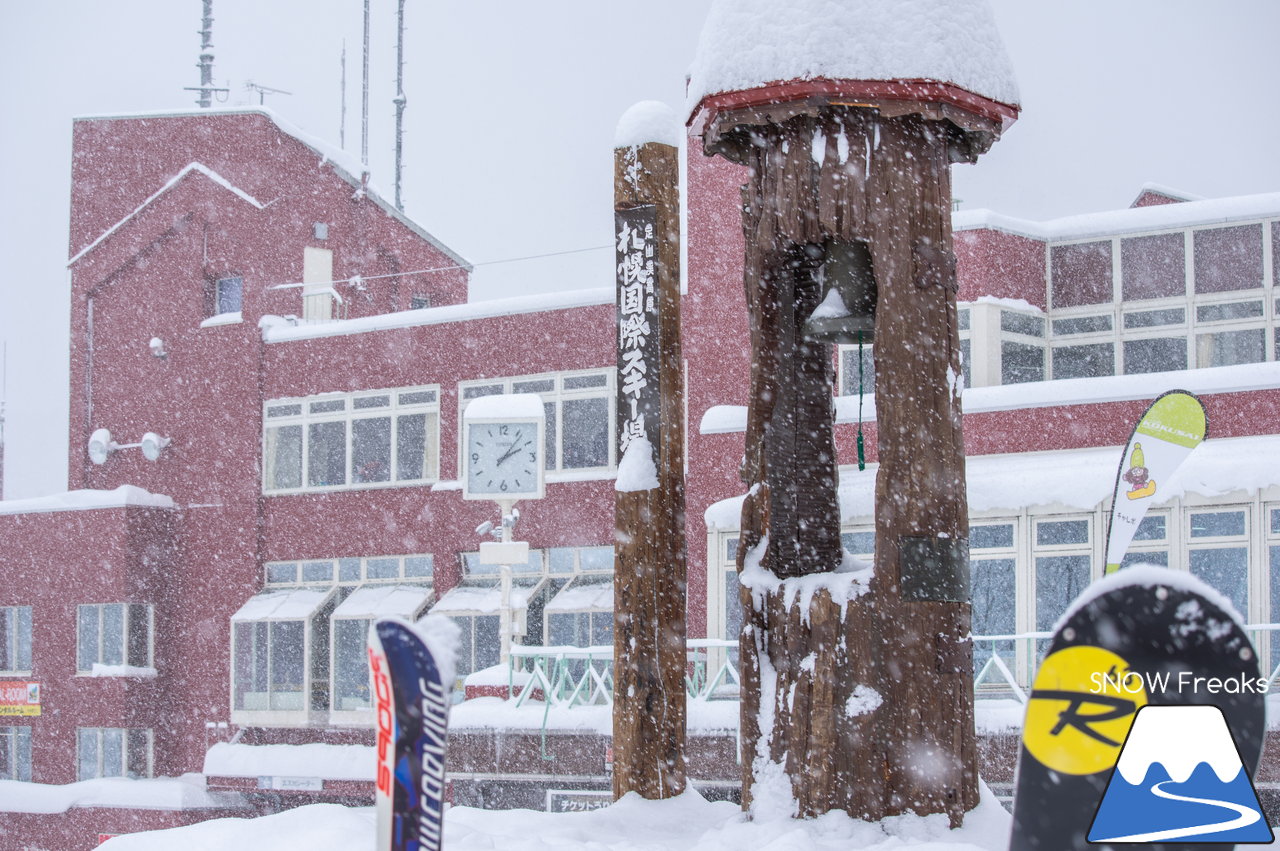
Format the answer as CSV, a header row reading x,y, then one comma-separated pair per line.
x,y
157,347
101,446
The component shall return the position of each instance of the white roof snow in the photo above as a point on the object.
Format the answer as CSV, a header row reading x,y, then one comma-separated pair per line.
x,y
376,601
292,605
748,43
480,599
1075,478
502,405
331,762
86,500
648,121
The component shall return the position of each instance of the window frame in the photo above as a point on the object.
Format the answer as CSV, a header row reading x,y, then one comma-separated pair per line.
x,y
128,740
557,396
316,675
340,571
362,716
16,742
129,612
349,414
216,292
20,629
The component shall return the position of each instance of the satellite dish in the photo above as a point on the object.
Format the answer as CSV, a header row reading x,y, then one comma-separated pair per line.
x,y
100,446
152,445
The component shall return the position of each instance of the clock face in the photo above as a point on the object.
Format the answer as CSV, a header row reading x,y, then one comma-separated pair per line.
x,y
504,459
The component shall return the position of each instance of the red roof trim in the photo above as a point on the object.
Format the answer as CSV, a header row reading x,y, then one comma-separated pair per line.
x,y
930,91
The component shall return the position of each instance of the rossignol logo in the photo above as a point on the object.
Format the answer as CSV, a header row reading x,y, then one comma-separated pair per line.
x,y
385,722
1124,682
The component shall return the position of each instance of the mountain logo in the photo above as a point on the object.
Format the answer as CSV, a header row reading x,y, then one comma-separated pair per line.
x,y
1180,778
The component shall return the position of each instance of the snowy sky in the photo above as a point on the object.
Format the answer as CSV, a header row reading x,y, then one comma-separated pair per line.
x,y
1114,95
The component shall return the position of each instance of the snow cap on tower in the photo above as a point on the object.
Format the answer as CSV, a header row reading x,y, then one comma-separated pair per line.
x,y
751,44
647,121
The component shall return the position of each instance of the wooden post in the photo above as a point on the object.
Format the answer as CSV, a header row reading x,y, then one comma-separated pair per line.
x,y
649,563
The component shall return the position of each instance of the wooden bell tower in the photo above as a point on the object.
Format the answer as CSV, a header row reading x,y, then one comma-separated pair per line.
x,y
866,705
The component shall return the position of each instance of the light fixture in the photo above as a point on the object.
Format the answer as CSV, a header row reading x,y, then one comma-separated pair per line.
x,y
101,446
157,347
152,445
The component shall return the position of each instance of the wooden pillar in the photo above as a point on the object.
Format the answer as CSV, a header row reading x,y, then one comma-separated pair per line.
x,y
649,708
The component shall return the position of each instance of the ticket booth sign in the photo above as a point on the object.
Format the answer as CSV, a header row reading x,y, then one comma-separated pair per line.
x,y
19,698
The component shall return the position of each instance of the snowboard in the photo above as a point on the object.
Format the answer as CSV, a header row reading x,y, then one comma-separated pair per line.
x,y
411,705
1145,636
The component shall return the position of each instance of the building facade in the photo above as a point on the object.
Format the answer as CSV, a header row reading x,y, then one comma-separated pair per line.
x,y
269,366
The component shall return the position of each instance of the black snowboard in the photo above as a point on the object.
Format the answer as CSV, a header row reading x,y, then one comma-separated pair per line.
x,y
1142,626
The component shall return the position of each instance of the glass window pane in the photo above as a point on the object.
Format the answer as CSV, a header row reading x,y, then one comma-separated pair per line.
x,y
371,450
1155,318
112,752
1153,266
138,755
290,410
88,650
86,754
1021,323
350,664
601,629
1228,259
540,385
859,543
1089,361
586,433
8,754
1058,532
1160,558
1152,528
139,639
1059,580
1274,615
1020,363
488,646
317,571
241,663
382,568
1275,521
550,441
466,658
1228,348
476,391
230,295
992,536
1217,524
414,438
1226,569
327,454
113,635
595,558
24,638
583,382
8,639
562,629
283,572
1081,274
284,457
366,402
418,397
24,754
731,549
287,664
858,368
348,570
994,589
419,566
732,606
328,406
560,560
1081,324
1234,310
1159,354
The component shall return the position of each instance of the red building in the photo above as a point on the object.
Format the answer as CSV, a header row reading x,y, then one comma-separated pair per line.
x,y
281,360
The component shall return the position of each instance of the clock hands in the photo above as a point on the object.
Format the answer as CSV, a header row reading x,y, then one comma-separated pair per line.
x,y
515,447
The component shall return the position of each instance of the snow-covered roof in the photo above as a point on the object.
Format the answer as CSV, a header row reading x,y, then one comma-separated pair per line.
x,y
278,330
190,168
159,793
480,599
726,419
595,595
345,165
292,605
648,121
331,762
375,601
513,405
1074,478
1167,191
746,44
87,500
1130,220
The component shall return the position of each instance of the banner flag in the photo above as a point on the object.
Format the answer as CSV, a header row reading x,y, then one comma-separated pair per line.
x,y
412,714
1166,434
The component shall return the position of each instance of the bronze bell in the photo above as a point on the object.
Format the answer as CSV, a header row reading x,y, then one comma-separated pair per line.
x,y
846,270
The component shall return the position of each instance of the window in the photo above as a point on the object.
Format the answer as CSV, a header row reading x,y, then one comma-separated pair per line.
x,y
113,635
1081,325
1021,323
351,440
113,752
1227,348
1218,553
993,582
579,412
853,381
1153,266
1021,363
1150,544
350,624
1155,318
475,604
1081,274
581,615
562,561
280,653
1089,361
228,295
861,543
1062,556
1155,354
15,639
409,568
15,753
1228,259
1273,553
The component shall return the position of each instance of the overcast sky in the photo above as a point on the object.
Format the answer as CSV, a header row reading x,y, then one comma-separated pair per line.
x,y
512,106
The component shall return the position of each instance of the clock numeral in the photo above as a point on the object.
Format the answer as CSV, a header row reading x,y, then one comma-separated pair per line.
x,y
533,456
475,456
503,429
503,486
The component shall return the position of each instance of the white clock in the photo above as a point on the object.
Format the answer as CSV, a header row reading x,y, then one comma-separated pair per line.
x,y
502,448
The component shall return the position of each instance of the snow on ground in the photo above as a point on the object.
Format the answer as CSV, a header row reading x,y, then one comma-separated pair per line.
x,y
686,822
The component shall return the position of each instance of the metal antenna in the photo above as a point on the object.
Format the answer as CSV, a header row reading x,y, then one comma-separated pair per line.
x,y
342,128
206,87
263,91
399,99
364,102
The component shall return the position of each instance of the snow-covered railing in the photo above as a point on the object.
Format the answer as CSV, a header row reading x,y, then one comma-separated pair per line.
x,y
583,676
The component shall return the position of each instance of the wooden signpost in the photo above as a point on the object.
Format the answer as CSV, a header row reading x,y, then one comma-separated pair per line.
x,y
649,568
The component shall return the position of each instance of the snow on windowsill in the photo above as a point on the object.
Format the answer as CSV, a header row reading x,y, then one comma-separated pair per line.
x,y
330,762
223,319
130,671
125,496
159,793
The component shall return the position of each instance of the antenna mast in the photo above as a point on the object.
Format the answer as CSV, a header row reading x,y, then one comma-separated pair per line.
x,y
364,101
206,87
399,99
342,121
